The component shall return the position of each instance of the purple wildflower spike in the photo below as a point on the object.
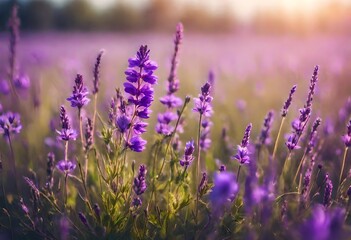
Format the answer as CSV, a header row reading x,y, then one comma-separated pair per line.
x,y
96,72
14,25
139,183
313,136
88,135
22,81
203,102
137,202
66,133
10,123
188,154
264,138
165,120
97,210
288,101
83,219
205,141
79,95
327,191
242,155
140,78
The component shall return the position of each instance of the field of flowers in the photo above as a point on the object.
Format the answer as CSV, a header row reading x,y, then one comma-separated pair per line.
x,y
174,136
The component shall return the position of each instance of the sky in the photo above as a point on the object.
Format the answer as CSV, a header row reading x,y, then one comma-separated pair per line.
x,y
243,9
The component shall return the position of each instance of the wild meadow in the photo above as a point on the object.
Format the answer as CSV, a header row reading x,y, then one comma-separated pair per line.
x,y
174,136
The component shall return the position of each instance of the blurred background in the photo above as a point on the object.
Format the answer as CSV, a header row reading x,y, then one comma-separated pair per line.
x,y
272,16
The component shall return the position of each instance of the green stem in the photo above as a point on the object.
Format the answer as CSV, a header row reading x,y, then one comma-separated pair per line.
x,y
237,176
277,139
343,165
13,164
198,167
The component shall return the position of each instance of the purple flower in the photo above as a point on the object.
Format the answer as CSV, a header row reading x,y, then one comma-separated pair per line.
x,y
242,155
188,154
327,191
313,136
66,166
22,81
347,137
163,123
137,144
205,141
88,135
140,78
96,72
50,171
225,188
123,123
288,101
10,123
137,202
79,95
264,138
222,168
66,133
139,183
203,102
323,224
83,219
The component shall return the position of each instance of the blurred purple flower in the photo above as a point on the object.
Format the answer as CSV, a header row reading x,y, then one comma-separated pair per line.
x,y
22,81
66,166
328,190
205,141
323,224
137,202
139,183
264,138
10,123
96,72
225,188
188,154
79,95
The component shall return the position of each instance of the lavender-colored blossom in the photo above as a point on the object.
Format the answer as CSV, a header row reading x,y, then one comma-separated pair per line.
x,y
347,137
306,183
66,166
313,135
242,155
288,101
139,183
79,95
10,123
188,154
202,104
327,191
24,207
88,135
97,210
96,72
140,78
264,138
222,168
323,224
64,228
66,133
22,81
137,144
225,188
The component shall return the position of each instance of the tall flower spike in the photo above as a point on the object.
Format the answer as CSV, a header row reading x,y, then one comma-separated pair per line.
x,y
140,78
313,136
66,133
203,102
66,166
139,184
50,171
264,138
79,95
188,154
242,155
88,135
96,72
288,101
327,191
13,24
